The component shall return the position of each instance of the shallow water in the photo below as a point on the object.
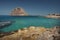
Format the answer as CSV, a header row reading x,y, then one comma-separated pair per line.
x,y
26,21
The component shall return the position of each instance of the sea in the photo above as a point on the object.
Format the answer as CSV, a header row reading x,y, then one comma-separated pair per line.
x,y
21,22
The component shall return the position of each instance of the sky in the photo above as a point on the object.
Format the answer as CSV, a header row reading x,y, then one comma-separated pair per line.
x,y
31,7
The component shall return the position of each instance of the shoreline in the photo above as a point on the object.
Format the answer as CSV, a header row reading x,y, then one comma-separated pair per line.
x,y
31,33
52,17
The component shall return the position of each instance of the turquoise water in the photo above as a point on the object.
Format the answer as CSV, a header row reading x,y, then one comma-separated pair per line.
x,y
27,21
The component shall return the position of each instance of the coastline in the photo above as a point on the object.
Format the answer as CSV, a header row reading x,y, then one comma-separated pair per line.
x,y
33,33
52,17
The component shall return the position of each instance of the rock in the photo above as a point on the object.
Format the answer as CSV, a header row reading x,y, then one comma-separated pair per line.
x,y
36,34
58,29
2,34
56,35
5,24
18,12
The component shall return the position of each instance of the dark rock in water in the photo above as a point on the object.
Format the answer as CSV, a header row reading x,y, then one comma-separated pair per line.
x,y
2,34
5,24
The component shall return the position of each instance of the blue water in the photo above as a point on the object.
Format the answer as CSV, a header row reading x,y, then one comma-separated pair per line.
x,y
27,21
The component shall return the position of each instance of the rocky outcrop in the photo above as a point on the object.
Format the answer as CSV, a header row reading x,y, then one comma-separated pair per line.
x,y
4,24
18,12
34,33
57,34
53,16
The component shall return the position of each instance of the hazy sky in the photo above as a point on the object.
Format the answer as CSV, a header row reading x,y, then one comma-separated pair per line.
x,y
32,7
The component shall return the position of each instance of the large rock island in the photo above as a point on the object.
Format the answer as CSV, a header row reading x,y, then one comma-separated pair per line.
x,y
18,12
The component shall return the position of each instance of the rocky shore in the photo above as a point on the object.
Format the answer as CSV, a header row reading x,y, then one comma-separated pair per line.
x,y
53,16
34,33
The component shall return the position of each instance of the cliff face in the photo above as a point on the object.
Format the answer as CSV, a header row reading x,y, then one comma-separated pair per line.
x,y
18,12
